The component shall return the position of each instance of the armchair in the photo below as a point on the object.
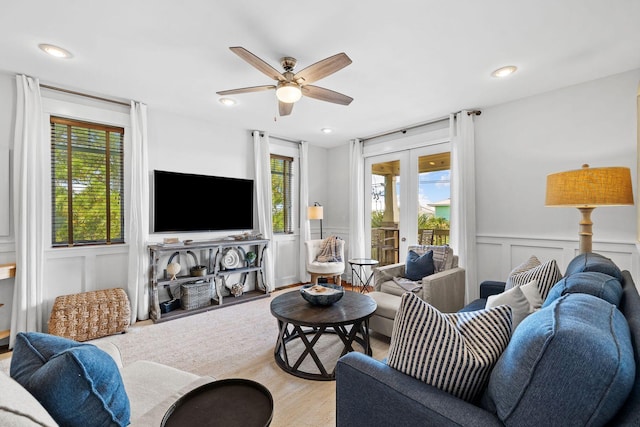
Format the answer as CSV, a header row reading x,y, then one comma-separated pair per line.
x,y
444,289
318,269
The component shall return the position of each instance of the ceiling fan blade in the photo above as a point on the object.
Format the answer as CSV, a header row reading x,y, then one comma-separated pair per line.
x,y
258,63
322,68
323,94
246,90
285,108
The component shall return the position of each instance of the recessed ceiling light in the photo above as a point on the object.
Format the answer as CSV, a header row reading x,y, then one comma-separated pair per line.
x,y
227,101
504,71
56,51
326,130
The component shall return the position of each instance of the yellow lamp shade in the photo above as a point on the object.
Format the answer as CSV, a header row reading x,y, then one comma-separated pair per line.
x,y
610,186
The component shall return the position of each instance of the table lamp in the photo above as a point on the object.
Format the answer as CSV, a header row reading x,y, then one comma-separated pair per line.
x,y
586,189
315,212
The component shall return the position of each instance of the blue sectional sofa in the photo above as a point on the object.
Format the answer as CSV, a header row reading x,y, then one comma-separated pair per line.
x,y
574,362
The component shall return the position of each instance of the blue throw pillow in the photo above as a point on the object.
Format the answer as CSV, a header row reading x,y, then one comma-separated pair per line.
x,y
419,266
590,261
589,282
78,384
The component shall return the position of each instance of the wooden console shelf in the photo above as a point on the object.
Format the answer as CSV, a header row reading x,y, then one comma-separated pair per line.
x,y
211,253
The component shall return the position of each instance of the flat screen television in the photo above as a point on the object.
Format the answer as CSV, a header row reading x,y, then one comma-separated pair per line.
x,y
184,202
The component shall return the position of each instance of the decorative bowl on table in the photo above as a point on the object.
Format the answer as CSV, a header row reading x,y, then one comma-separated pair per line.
x,y
322,295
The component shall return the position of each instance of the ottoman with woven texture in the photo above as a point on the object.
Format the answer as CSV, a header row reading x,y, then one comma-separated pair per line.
x,y
89,315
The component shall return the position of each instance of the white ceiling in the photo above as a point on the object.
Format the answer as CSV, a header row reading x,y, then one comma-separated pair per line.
x,y
413,61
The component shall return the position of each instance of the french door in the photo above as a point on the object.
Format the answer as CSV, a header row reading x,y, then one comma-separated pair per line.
x,y
407,200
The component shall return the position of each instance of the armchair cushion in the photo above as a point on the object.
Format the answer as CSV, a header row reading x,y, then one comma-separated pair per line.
x,y
453,352
419,266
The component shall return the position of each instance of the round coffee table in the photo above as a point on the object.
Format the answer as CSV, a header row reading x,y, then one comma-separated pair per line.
x,y
224,403
299,321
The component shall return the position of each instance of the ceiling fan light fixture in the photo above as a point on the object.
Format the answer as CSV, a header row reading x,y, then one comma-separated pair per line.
x,y
227,101
288,92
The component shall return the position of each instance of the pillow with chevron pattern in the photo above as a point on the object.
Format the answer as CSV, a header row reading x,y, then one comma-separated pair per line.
x,y
454,352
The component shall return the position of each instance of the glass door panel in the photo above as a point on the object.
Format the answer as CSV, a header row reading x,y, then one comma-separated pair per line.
x,y
434,198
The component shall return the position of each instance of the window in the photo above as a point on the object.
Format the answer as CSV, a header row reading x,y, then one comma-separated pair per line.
x,y
87,185
281,193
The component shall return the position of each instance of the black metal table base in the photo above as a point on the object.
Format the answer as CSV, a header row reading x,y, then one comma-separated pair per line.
x,y
358,333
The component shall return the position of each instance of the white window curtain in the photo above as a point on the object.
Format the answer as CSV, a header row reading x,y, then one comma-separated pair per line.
x,y
262,162
356,200
28,204
463,196
305,229
138,220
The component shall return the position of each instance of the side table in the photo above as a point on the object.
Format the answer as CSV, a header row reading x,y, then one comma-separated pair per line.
x,y
225,403
359,275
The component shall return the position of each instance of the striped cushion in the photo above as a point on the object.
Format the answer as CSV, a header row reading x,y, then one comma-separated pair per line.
x,y
547,275
454,352
532,262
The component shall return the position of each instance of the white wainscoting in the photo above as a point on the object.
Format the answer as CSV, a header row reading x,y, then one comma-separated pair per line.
x,y
498,255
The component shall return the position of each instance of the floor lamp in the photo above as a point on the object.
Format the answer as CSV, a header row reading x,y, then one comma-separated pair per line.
x,y
315,212
587,189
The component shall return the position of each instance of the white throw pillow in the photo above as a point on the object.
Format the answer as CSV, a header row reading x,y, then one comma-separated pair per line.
x,y
515,299
531,292
454,352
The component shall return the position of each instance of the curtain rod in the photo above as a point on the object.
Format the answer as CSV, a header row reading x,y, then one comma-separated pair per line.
x,y
430,122
281,138
86,95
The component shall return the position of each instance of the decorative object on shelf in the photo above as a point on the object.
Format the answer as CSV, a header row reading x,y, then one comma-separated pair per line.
x,y
197,270
195,295
586,189
316,212
322,295
251,258
232,258
237,290
173,269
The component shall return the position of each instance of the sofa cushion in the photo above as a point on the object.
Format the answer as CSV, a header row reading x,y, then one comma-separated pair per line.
x,y
547,275
530,263
78,384
419,266
19,407
593,283
571,361
453,352
590,261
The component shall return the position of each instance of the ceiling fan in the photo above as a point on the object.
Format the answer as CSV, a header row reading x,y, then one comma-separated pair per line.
x,y
290,86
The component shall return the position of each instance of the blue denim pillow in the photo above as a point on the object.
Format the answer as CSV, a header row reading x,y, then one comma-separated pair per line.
x,y
589,282
571,360
78,384
590,261
419,266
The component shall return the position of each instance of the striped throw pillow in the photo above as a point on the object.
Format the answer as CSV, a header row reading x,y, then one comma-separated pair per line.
x,y
454,352
547,275
532,262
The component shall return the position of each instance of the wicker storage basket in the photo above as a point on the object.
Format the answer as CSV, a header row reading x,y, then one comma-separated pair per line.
x,y
89,315
195,295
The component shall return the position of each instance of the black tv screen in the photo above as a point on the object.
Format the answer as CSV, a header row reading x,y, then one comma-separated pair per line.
x,y
184,202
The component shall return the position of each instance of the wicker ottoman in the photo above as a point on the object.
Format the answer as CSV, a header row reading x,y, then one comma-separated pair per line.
x,y
89,315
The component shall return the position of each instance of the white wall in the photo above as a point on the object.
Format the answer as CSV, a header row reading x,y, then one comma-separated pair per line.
x,y
517,145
